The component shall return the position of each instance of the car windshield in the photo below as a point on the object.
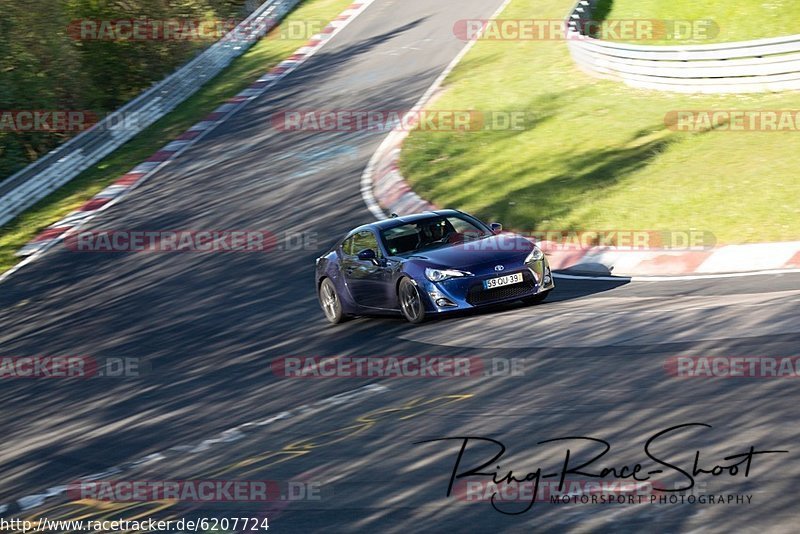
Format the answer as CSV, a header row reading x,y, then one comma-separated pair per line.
x,y
431,233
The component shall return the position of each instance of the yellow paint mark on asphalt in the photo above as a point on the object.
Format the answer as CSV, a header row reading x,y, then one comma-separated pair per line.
x,y
365,422
90,509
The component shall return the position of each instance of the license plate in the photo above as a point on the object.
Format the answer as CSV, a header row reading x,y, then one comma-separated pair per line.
x,y
501,281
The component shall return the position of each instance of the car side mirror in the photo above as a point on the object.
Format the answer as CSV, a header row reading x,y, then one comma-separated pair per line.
x,y
496,227
369,255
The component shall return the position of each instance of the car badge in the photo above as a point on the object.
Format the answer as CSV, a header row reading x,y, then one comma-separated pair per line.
x,y
499,268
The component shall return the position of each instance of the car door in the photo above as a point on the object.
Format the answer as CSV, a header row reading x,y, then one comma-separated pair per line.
x,y
370,284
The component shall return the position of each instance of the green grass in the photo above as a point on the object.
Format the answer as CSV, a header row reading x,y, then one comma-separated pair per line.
x,y
736,20
246,69
597,155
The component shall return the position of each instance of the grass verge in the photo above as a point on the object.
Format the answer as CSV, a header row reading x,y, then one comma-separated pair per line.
x,y
741,20
597,154
249,67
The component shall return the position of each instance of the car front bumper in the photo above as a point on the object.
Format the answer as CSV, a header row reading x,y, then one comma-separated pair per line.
x,y
459,294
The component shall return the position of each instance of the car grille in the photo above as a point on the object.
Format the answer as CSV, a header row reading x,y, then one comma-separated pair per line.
x,y
478,295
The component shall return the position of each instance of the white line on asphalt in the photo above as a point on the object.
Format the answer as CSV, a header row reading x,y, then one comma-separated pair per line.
x,y
232,434
672,278
369,172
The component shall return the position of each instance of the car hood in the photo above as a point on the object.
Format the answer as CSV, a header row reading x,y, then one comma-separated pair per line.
x,y
495,250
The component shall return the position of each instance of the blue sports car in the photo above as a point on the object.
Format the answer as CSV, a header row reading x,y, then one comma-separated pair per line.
x,y
429,264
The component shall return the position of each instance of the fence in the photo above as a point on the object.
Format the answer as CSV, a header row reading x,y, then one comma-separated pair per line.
x,y
744,67
50,172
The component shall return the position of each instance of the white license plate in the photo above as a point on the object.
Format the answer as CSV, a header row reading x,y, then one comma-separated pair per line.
x,y
501,281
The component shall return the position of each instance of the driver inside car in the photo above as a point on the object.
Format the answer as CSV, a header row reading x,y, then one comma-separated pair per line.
x,y
432,233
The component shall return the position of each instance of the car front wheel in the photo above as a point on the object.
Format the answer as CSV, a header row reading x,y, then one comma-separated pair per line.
x,y
411,302
330,302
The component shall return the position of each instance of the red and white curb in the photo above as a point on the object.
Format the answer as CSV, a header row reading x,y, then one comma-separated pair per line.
x,y
383,187
390,191
759,257
142,172
382,184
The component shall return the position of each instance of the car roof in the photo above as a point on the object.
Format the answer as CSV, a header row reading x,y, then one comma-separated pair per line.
x,y
394,222
407,219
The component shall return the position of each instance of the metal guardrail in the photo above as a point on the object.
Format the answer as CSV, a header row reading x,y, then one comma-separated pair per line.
x,y
761,65
53,170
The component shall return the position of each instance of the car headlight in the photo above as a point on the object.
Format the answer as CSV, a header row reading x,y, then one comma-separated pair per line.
x,y
439,275
535,255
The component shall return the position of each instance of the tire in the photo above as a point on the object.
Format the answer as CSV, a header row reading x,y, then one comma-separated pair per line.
x,y
330,302
411,304
536,299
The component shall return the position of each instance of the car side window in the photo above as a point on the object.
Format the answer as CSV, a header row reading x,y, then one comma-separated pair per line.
x,y
464,229
365,240
461,226
347,246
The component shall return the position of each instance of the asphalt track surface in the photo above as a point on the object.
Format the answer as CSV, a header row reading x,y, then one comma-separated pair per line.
x,y
208,326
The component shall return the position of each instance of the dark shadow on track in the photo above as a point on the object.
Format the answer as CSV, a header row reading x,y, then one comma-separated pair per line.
x,y
565,290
